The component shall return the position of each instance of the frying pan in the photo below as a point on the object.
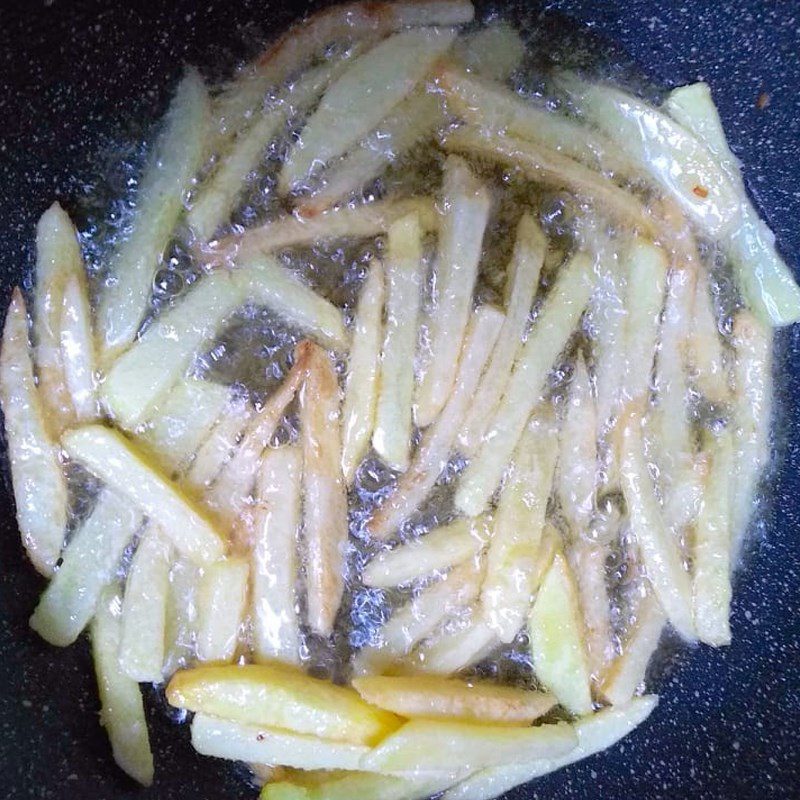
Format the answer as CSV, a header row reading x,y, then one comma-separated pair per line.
x,y
77,76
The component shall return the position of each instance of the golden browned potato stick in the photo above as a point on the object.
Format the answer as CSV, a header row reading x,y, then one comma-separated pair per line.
x,y
391,435
366,22
521,283
431,696
438,441
466,203
325,493
221,605
361,221
40,490
78,349
550,167
554,325
363,368
273,565
58,260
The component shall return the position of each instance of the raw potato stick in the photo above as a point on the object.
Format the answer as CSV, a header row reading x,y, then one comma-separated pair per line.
x,y
113,459
363,368
439,439
58,260
325,493
181,625
90,562
273,565
521,283
40,490
466,203
495,51
121,706
177,155
78,349
221,605
516,539
450,652
552,328
391,436
144,608
359,99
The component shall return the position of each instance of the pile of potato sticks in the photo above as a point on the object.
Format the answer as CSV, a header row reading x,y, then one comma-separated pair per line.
x,y
656,441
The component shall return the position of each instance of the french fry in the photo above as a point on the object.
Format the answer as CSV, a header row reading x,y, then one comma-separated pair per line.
x,y
361,221
753,414
707,356
415,118
480,101
438,441
558,639
451,651
658,548
77,348
429,696
626,673
577,461
495,51
231,491
595,733
283,790
548,336
550,167
521,283
58,260
221,605
356,102
325,494
183,421
391,436
514,547
90,562
438,550
420,617
711,552
144,608
273,565
223,738
763,277
113,459
286,698
177,155
121,706
40,490
181,617
349,785
427,744
361,393
466,204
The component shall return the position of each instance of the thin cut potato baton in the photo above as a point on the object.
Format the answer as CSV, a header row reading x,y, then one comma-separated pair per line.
x,y
221,604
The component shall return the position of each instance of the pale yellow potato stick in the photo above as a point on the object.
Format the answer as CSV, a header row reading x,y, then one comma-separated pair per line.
x,y
221,607
325,493
521,284
495,51
516,539
40,490
452,651
344,785
552,328
273,564
181,623
438,441
363,369
177,155
711,551
144,607
657,545
466,203
391,436
625,675
544,165
356,102
58,260
90,562
78,349
707,353
121,706
113,459
439,549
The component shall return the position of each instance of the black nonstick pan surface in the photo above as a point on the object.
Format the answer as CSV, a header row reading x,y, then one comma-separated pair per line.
x,y
77,76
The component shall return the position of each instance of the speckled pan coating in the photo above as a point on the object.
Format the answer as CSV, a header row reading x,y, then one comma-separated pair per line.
x,y
76,75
